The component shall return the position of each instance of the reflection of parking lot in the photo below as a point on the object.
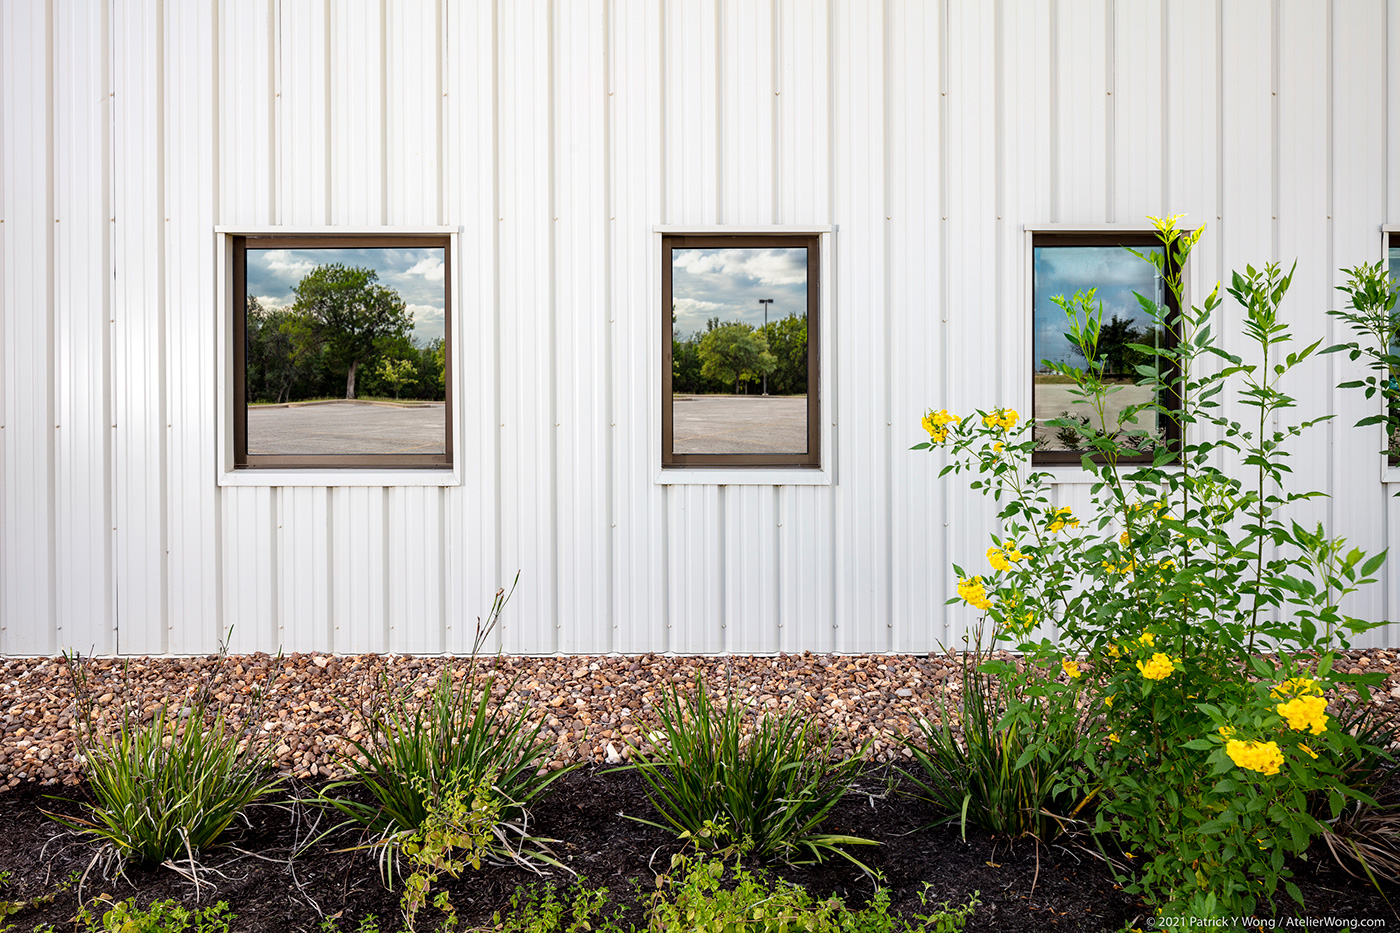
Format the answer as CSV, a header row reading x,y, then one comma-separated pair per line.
x,y
738,424
1051,400
348,428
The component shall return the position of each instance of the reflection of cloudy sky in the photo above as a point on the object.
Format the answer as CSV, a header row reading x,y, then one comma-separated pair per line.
x,y
416,274
1064,270
727,283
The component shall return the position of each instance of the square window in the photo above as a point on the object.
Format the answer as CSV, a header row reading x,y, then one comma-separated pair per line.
x,y
740,348
341,352
1066,263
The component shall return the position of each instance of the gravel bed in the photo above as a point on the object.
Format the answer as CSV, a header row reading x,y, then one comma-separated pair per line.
x,y
592,708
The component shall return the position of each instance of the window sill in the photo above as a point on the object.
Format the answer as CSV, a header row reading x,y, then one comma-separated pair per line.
x,y
1069,475
347,477
747,477
1390,473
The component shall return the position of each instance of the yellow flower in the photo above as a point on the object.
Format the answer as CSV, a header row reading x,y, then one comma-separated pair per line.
x,y
1159,668
1113,737
1108,701
1123,539
998,447
1063,519
1128,566
1148,639
1071,668
1308,750
1112,650
1003,418
1305,713
997,558
936,424
974,594
1263,757
1226,731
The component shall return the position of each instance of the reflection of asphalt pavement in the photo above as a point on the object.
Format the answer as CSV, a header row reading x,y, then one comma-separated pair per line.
x,y
1050,400
348,428
739,424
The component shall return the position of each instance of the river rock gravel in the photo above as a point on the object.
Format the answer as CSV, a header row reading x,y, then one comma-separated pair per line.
x,y
591,708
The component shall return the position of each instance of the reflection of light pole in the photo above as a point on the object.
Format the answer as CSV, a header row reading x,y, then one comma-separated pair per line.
x,y
765,302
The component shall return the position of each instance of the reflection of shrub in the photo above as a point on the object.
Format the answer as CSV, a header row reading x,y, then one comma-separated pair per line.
x,y
1069,436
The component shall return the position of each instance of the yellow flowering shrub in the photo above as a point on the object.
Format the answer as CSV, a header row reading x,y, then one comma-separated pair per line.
x,y
1178,575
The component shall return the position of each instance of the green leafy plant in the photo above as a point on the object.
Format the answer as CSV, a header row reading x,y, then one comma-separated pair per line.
x,y
171,787
458,771
762,794
1370,312
158,917
693,898
1006,757
540,909
1169,589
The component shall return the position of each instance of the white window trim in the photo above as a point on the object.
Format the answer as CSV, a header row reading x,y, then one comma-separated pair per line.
x,y
333,476
825,475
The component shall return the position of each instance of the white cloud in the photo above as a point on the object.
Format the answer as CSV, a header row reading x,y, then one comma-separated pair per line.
x,y
430,267
276,302
429,322
763,266
280,260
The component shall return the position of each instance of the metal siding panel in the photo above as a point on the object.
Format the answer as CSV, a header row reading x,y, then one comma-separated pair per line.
x,y
918,499
192,499
1358,502
806,570
1080,107
303,569
861,403
415,569
804,110
412,105
527,346
357,125
695,611
359,590
27,619
1302,231
747,111
750,570
691,83
1139,125
1391,162
84,614
138,337
249,561
581,315
635,173
975,364
1192,115
471,564
303,109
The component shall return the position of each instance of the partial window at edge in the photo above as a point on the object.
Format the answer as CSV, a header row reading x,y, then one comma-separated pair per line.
x,y
342,352
740,336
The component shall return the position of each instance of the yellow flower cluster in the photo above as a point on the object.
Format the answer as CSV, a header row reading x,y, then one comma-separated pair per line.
x,y
1305,714
936,424
1063,519
1112,650
1113,737
1124,539
998,447
1263,757
1296,687
1127,566
1159,668
974,594
1148,639
1108,701
1004,418
1071,668
1001,558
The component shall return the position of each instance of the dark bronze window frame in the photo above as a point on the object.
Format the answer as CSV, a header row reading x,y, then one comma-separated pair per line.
x,y
812,243
242,460
1137,239
1392,241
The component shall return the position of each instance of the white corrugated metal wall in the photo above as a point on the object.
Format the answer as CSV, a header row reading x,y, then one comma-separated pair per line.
x,y
557,134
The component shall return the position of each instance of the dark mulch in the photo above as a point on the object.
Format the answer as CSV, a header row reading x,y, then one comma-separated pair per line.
x,y
1022,888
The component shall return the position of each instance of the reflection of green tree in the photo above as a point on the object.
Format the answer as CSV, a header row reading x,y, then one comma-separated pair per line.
x,y
273,372
1115,339
342,311
396,373
785,341
733,353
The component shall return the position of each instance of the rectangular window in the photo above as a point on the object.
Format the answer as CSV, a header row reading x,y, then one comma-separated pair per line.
x,y
341,352
1066,263
740,351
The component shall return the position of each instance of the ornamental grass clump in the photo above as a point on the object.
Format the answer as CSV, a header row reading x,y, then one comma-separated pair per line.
x,y
762,793
165,790
1005,759
454,778
1170,588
